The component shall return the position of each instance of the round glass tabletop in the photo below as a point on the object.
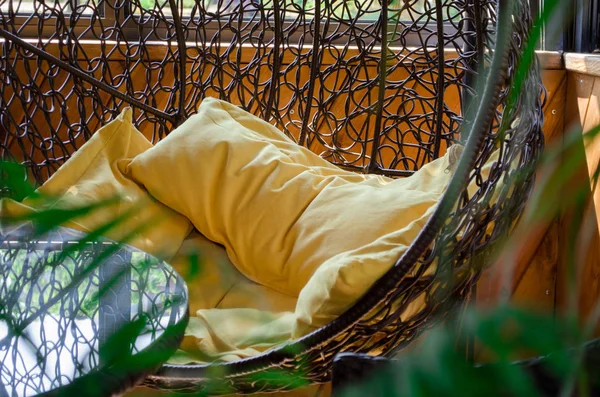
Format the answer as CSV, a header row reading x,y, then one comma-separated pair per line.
x,y
83,314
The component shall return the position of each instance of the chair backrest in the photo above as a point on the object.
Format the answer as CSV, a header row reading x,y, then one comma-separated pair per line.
x,y
371,86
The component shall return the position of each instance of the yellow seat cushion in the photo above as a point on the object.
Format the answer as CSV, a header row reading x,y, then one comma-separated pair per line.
x,y
231,317
288,219
93,175
207,271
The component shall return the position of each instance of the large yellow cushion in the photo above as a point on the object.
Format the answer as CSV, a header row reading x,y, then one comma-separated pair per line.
x,y
231,317
280,210
94,175
288,219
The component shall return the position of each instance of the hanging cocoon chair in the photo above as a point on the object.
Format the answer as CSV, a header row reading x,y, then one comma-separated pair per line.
x,y
364,90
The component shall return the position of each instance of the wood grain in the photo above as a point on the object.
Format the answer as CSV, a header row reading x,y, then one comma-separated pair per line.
x,y
588,64
578,289
536,288
518,266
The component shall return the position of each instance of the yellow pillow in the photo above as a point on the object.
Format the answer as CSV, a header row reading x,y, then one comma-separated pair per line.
x,y
280,210
94,175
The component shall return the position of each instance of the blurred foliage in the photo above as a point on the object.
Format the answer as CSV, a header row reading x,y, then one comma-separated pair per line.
x,y
437,366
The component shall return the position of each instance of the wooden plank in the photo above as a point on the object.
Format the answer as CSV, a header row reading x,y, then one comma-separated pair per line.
x,y
578,288
592,149
583,63
551,60
502,279
529,236
526,271
536,289
579,89
555,82
587,248
587,268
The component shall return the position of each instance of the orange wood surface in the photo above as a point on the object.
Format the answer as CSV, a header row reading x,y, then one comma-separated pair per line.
x,y
525,272
528,274
579,245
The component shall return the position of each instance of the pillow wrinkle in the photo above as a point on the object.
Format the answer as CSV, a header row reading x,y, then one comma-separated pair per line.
x,y
346,277
258,137
288,233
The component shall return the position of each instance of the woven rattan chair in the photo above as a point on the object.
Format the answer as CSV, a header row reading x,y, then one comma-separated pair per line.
x,y
373,87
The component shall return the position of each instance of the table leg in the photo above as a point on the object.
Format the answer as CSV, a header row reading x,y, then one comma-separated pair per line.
x,y
175,310
115,302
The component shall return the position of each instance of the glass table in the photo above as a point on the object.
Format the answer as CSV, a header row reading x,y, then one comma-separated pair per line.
x,y
83,315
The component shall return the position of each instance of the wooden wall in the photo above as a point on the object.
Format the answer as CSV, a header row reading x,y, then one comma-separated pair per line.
x,y
526,272
530,273
580,223
555,266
